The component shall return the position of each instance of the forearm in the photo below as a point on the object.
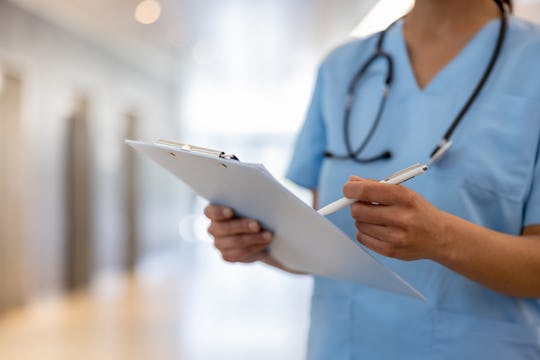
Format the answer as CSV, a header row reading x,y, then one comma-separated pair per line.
x,y
505,263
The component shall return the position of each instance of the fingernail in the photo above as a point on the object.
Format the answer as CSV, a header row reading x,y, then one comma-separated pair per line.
x,y
254,226
267,236
227,212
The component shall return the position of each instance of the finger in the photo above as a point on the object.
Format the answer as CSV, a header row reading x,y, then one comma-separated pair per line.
x,y
381,247
242,241
358,178
375,214
257,256
218,212
373,191
382,233
244,255
234,227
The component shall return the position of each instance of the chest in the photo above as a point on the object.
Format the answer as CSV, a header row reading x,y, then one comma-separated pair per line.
x,y
491,161
429,54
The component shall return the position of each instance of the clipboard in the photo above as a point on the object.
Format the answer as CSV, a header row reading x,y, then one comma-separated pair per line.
x,y
303,239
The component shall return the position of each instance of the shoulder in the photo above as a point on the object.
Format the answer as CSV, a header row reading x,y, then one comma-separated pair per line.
x,y
523,27
520,73
524,35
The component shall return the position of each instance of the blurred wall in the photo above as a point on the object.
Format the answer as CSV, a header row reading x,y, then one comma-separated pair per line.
x,y
528,9
56,68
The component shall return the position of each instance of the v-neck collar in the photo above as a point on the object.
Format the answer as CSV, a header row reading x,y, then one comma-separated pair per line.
x,y
471,55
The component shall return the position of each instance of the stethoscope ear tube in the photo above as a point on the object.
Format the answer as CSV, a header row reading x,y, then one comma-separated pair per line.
x,y
483,79
354,154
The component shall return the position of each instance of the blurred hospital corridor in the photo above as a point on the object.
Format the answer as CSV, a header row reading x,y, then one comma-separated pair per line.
x,y
165,312
103,254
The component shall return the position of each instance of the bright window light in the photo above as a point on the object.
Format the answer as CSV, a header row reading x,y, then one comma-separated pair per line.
x,y
382,14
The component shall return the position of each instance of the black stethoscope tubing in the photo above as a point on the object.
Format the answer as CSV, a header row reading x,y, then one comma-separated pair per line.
x,y
353,154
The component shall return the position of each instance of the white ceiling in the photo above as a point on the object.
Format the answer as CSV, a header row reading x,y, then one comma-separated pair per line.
x,y
183,23
159,47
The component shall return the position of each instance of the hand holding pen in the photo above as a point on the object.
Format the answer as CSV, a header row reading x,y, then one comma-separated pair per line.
x,y
396,221
396,178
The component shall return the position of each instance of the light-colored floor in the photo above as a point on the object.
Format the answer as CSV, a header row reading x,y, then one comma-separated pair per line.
x,y
126,319
204,309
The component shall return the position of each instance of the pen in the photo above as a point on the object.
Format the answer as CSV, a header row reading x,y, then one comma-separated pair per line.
x,y
396,179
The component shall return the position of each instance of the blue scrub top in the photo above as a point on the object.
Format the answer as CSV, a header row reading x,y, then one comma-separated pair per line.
x,y
491,177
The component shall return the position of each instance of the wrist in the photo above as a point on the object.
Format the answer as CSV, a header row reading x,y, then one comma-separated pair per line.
x,y
445,240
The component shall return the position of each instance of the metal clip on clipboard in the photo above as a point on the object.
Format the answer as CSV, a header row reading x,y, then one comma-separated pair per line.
x,y
197,149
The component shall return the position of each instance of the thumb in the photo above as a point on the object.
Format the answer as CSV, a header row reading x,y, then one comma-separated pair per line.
x,y
355,178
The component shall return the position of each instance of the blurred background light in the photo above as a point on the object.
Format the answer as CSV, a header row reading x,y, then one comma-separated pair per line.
x,y
203,53
178,34
148,11
380,16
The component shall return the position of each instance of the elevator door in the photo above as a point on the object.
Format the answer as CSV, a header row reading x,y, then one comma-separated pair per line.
x,y
131,198
13,263
79,249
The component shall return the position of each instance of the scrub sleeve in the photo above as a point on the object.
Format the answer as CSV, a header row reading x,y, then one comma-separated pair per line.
x,y
532,206
310,145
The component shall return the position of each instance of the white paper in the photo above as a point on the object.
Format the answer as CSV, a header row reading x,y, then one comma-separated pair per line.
x,y
303,239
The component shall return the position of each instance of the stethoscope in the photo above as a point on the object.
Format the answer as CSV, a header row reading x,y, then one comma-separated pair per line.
x,y
445,143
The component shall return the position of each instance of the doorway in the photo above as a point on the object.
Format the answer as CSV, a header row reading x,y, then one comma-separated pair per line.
x,y
13,262
79,249
131,195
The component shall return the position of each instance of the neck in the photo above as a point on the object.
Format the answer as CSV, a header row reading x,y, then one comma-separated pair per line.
x,y
450,15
